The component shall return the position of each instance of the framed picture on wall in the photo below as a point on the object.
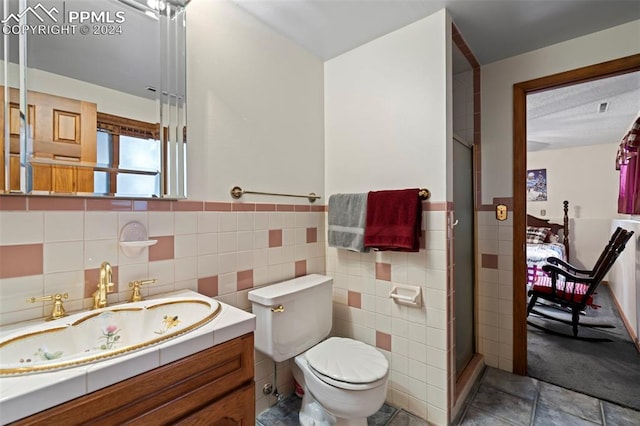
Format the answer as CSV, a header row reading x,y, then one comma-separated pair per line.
x,y
537,185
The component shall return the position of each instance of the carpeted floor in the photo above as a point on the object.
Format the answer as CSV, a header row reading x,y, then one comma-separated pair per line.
x,y
605,370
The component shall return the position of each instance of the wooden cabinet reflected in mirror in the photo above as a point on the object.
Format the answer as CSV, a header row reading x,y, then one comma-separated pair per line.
x,y
61,131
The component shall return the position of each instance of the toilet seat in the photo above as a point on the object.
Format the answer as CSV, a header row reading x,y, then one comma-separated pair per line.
x,y
348,363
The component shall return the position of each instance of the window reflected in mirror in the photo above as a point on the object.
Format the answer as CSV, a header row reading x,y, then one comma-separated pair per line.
x,y
128,156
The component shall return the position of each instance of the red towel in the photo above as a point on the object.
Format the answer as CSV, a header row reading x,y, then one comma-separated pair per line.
x,y
393,220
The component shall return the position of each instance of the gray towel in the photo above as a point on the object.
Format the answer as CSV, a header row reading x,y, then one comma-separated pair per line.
x,y
346,219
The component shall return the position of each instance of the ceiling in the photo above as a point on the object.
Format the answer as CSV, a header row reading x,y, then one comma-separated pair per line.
x,y
493,29
597,112
126,61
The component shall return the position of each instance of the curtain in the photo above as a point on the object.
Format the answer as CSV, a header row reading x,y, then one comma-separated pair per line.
x,y
628,163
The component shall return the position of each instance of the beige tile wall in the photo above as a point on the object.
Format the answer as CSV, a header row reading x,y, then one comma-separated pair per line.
x,y
495,290
222,250
414,340
201,246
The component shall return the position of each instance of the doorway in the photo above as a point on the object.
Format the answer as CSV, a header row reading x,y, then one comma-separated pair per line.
x,y
520,91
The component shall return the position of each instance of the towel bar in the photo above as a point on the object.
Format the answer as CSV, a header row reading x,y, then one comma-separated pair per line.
x,y
237,192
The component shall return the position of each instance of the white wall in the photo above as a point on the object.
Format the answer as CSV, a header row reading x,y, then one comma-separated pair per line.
x,y
624,276
498,78
108,100
587,178
463,105
385,112
388,126
255,108
255,119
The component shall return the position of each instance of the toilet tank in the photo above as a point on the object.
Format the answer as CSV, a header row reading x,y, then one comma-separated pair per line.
x,y
292,316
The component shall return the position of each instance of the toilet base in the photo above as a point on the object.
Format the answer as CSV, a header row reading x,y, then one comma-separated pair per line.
x,y
352,422
313,414
336,406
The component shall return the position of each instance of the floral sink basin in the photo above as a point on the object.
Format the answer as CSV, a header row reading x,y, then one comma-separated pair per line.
x,y
101,334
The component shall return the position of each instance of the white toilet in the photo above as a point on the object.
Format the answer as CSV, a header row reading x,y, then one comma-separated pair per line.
x,y
344,380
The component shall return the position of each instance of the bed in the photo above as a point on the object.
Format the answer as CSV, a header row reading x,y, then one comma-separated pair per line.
x,y
546,239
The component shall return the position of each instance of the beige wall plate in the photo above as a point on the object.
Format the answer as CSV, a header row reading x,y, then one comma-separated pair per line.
x,y
501,212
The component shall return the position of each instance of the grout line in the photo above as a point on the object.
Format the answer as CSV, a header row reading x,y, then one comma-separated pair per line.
x,y
472,395
535,406
604,419
392,417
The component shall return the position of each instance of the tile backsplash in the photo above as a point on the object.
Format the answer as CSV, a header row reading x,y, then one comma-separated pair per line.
x,y
224,250
56,245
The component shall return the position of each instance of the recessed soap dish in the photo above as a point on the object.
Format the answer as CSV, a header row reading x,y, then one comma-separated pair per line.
x,y
133,239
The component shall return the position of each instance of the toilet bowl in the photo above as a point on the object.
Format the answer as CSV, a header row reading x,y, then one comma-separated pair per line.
x,y
344,380
347,378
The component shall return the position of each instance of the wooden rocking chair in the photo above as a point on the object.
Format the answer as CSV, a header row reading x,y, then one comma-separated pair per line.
x,y
572,269
573,288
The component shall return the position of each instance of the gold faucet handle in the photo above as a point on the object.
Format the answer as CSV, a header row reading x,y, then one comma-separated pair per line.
x,y
136,296
58,309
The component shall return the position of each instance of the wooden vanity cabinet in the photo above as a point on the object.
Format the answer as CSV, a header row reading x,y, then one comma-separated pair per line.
x,y
212,387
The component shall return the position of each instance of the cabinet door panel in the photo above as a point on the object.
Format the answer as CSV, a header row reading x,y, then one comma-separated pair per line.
x,y
42,178
236,409
64,178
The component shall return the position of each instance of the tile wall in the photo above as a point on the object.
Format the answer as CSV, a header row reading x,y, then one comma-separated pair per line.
x,y
495,290
414,340
225,249
56,245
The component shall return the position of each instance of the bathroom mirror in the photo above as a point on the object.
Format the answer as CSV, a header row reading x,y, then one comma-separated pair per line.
x,y
93,98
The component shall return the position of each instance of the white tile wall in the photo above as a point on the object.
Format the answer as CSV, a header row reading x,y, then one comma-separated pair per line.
x,y
495,304
62,257
418,358
21,227
63,226
100,225
205,244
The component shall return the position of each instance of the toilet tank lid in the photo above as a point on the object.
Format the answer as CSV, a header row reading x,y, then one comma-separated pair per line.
x,y
273,294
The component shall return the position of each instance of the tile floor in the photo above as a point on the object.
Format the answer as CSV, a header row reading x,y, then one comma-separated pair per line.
x,y
498,399
286,414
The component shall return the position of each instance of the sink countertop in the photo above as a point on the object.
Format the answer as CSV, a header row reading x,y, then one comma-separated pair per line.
x,y
27,394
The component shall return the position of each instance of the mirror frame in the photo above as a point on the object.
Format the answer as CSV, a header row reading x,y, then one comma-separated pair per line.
x,y
170,95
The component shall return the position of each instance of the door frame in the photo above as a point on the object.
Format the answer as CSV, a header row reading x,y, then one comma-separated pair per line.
x,y
520,91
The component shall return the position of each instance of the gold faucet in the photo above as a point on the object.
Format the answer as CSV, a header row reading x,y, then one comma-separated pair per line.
x,y
136,296
58,310
105,283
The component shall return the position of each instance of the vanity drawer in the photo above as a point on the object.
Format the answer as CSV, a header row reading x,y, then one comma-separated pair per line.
x,y
164,395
